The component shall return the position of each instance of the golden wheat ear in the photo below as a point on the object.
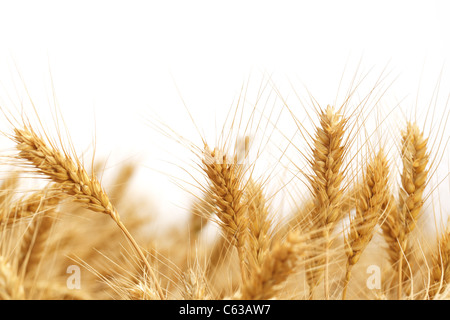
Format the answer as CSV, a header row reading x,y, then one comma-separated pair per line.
x,y
282,260
260,223
328,151
374,192
414,179
33,246
226,179
440,270
194,285
73,180
402,215
414,176
28,206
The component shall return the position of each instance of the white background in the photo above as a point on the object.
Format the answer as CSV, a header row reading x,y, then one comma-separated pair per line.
x,y
114,64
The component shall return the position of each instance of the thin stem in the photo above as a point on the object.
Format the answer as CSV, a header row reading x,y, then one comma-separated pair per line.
x,y
242,263
326,284
347,280
142,256
400,268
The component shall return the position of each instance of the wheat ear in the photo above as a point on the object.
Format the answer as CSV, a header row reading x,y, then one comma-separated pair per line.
x,y
440,272
392,228
28,206
259,236
413,181
74,180
328,151
226,185
281,261
194,285
372,195
34,242
6,188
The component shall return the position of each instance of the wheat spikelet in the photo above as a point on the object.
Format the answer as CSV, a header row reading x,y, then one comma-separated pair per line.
x,y
40,205
6,188
226,183
392,228
281,261
402,216
62,169
328,151
28,206
413,181
368,211
259,236
414,175
194,285
142,291
440,270
34,242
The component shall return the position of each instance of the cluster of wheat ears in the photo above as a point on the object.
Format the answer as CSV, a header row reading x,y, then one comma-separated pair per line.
x,y
345,221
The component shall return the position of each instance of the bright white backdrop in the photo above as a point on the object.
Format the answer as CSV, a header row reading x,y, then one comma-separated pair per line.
x,y
116,63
